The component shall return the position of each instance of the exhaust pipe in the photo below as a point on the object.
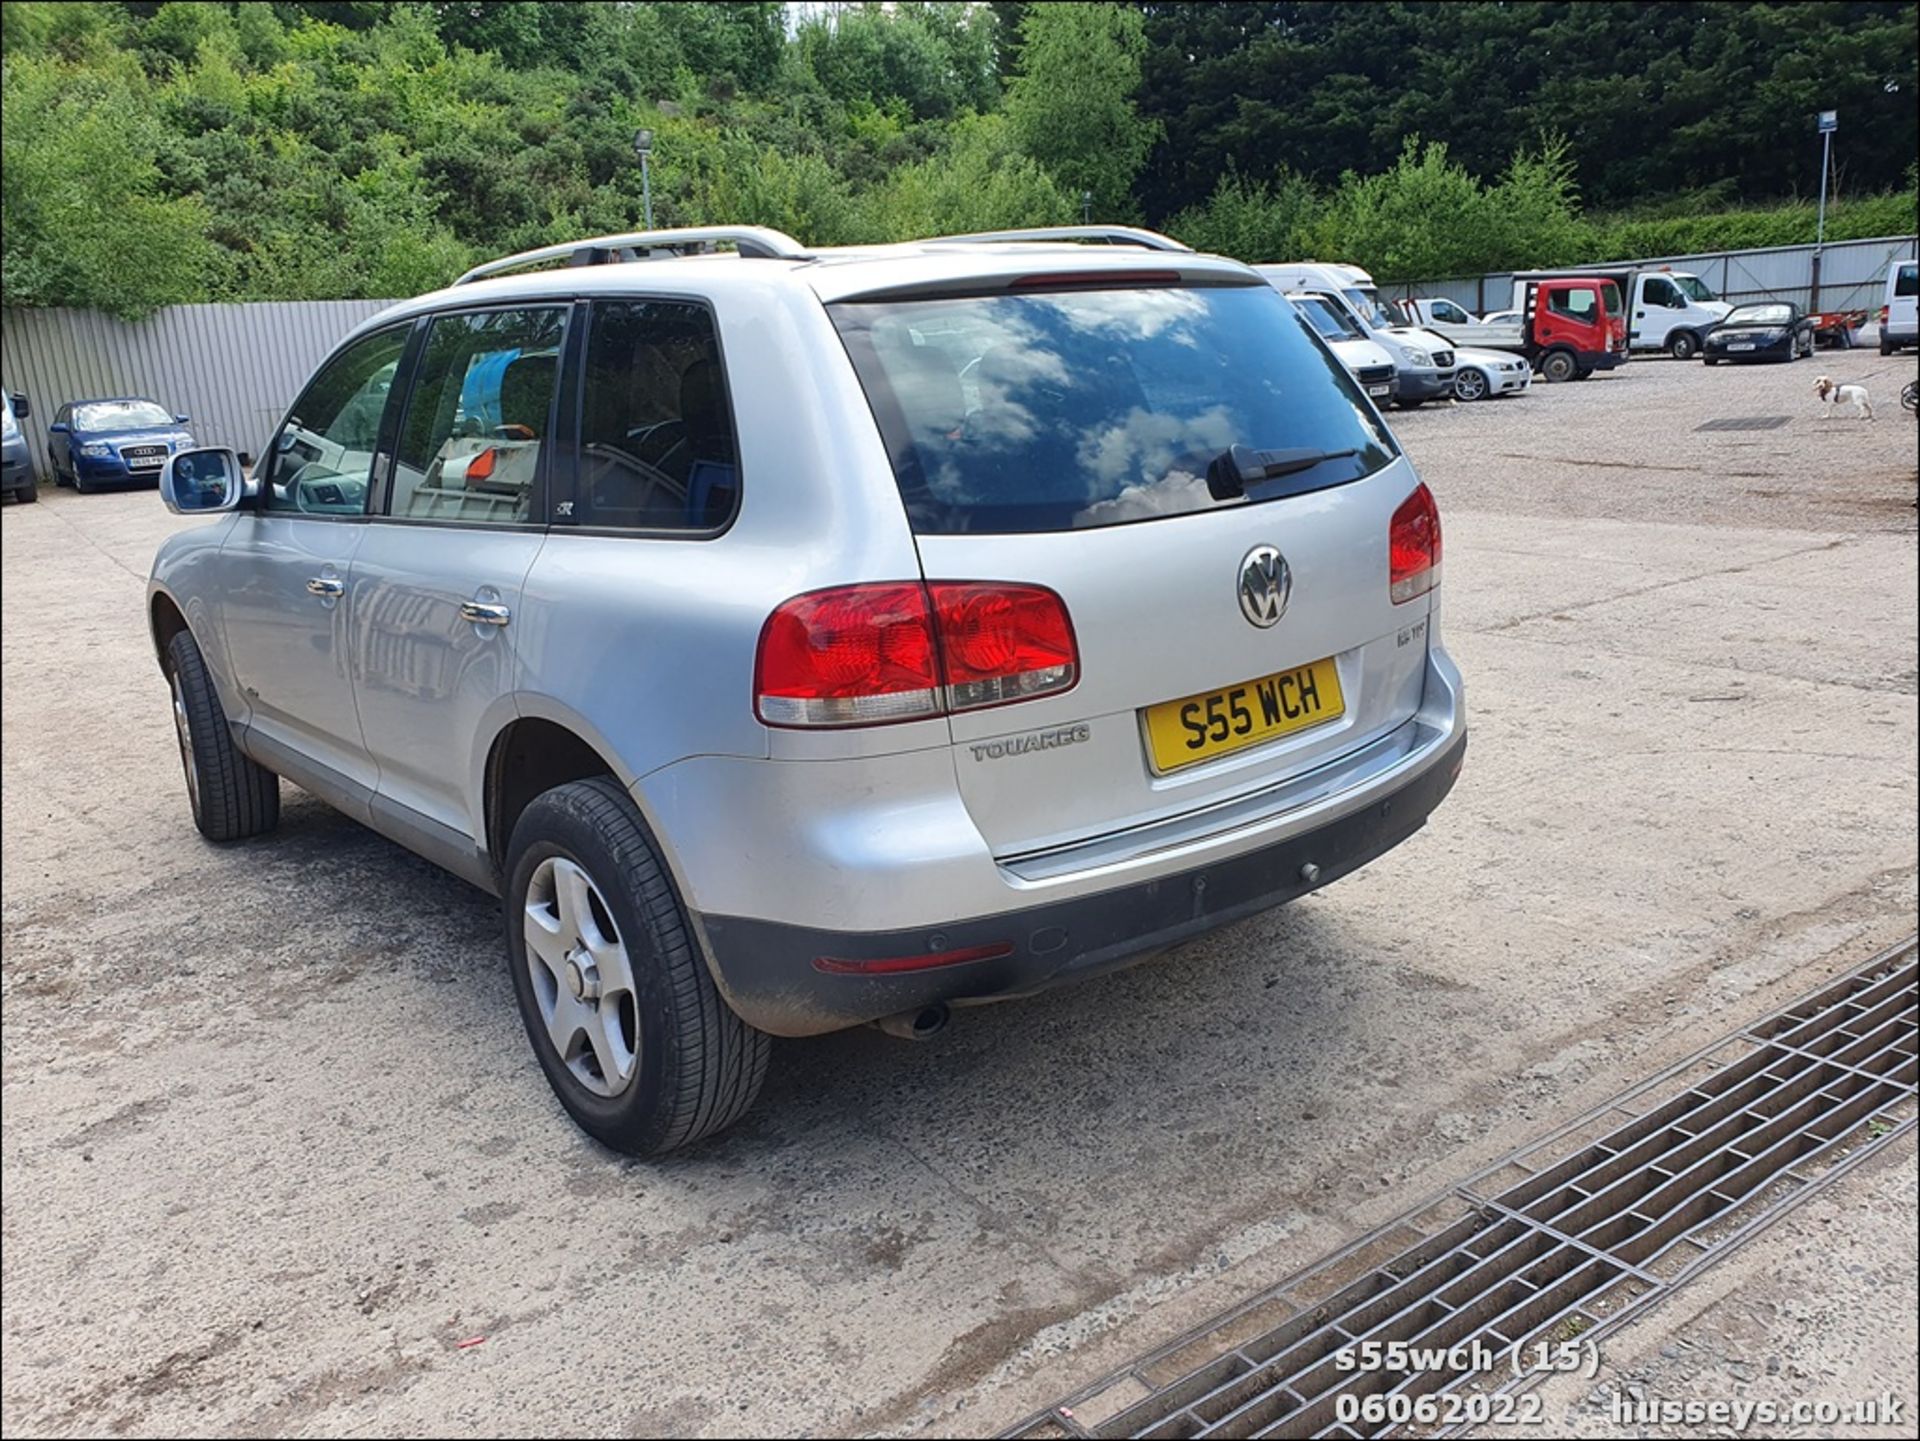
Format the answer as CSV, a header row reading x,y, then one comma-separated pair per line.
x,y
920,1024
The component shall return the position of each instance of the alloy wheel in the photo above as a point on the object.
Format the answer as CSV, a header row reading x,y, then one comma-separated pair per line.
x,y
582,979
183,731
1469,385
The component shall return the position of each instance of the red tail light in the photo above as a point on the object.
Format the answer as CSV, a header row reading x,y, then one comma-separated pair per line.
x,y
1002,643
852,656
1413,547
900,650
1885,310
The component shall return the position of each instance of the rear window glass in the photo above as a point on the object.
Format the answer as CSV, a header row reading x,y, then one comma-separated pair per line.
x,y
1907,282
1081,408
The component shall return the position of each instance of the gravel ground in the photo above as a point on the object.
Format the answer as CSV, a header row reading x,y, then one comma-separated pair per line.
x,y
273,1149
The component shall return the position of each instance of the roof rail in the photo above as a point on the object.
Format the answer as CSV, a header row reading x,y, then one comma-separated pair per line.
x,y
755,241
1108,234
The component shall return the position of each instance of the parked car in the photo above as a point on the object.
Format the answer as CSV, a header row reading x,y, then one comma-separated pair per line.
x,y
1501,317
1422,361
16,457
1900,313
1368,363
836,662
1769,330
1489,374
92,443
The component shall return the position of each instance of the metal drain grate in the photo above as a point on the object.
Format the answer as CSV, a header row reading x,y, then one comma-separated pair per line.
x,y
1745,422
1565,1238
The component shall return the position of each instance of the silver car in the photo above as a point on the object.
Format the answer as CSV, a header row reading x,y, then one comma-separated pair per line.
x,y
800,639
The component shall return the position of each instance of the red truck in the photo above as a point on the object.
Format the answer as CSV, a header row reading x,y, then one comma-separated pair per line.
x,y
1567,323
1573,324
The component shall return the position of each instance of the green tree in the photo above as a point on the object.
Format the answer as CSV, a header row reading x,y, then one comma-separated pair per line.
x,y
1072,104
84,219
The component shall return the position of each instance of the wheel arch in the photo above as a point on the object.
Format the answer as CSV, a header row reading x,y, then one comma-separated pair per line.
x,y
165,620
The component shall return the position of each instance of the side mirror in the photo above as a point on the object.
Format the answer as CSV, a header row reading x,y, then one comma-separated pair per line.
x,y
21,409
202,482
59,427
180,419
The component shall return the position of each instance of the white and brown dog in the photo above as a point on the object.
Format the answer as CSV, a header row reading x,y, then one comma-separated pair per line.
x,y
1833,394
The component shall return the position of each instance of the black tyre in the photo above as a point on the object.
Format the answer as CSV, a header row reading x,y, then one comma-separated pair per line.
x,y
232,797
1711,359
635,1039
27,494
1684,344
81,486
1559,365
1887,347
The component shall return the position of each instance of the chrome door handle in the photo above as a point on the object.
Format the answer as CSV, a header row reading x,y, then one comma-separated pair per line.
x,y
325,585
482,612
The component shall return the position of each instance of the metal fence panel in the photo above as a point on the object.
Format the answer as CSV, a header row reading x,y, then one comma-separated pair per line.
x,y
1852,275
234,369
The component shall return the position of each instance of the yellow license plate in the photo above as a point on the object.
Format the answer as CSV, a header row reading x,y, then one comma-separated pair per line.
x,y
1201,727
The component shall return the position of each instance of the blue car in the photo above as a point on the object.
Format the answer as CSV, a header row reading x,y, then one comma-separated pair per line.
x,y
95,443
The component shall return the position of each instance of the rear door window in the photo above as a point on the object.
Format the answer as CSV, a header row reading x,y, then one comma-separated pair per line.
x,y
477,422
1907,282
1050,411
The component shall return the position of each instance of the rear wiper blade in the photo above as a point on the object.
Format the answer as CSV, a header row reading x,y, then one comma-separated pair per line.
x,y
1237,467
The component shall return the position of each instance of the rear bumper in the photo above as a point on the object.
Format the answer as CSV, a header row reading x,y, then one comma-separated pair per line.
x,y
770,971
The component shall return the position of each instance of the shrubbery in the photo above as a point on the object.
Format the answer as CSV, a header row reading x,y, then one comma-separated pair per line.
x,y
1428,219
185,151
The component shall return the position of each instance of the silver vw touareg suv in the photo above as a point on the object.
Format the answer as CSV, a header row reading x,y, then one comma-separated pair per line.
x,y
796,639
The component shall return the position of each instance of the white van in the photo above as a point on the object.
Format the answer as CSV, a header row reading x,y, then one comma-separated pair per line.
x,y
1422,361
1370,364
1899,322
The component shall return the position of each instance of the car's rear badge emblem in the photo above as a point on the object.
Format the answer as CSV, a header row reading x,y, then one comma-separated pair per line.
x,y
1266,584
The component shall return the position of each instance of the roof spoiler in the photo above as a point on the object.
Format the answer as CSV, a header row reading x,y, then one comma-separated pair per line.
x,y
1103,234
752,241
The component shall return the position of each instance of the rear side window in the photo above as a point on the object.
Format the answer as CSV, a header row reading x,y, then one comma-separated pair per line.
x,y
1061,411
1907,282
657,445
479,416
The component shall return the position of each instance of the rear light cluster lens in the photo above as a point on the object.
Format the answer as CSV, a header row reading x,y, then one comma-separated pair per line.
x,y
868,654
1413,547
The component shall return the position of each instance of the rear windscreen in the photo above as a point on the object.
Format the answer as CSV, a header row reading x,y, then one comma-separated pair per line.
x,y
1077,408
1907,282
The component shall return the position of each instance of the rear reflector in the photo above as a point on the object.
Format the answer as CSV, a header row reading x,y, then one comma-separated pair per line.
x,y
1413,547
893,965
902,650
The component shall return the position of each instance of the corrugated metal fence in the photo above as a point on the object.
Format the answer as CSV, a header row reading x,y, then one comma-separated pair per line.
x,y
234,369
1852,276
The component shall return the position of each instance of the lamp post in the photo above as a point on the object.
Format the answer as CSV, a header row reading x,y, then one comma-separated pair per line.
x,y
1829,122
1086,207
643,147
